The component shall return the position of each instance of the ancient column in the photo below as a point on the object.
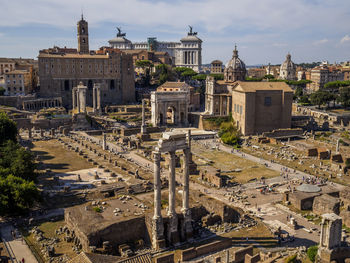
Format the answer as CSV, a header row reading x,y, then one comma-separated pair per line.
x,y
143,125
94,98
104,144
157,224
77,100
172,234
187,225
52,131
337,148
83,100
29,133
98,99
185,195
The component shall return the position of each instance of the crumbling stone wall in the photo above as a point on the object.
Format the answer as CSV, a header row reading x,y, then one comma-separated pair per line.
x,y
192,253
114,232
227,213
345,198
325,204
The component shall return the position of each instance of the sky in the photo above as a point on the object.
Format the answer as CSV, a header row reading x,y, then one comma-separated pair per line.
x,y
264,30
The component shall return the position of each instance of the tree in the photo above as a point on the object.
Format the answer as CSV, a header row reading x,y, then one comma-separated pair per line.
x,y
2,91
17,161
164,73
269,76
298,92
335,85
8,129
16,195
146,65
229,133
312,253
344,96
320,97
217,76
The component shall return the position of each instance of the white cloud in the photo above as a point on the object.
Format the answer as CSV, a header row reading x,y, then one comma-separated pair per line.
x,y
346,38
213,15
320,42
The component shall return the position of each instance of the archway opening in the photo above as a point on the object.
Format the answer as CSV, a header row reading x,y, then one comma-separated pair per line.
x,y
171,116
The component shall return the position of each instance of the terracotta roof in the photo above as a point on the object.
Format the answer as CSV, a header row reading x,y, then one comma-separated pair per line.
x,y
250,86
174,85
69,55
17,71
134,51
144,258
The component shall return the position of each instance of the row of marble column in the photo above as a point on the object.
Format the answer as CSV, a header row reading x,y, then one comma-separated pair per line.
x,y
39,104
79,98
190,57
158,227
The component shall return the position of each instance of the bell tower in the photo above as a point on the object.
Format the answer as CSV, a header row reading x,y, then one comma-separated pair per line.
x,y
83,36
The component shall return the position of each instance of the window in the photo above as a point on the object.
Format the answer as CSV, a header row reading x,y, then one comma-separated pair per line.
x,y
235,108
267,101
240,109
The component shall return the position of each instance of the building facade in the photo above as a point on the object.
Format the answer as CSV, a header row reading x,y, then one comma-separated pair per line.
x,y
322,74
61,69
216,67
288,69
218,94
18,83
259,107
186,53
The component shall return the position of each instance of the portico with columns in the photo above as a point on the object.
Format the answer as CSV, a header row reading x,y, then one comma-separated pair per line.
x,y
170,143
79,98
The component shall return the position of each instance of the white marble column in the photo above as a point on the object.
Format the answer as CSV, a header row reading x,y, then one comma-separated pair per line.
x,y
94,99
77,100
185,195
172,233
143,125
157,224
104,143
157,186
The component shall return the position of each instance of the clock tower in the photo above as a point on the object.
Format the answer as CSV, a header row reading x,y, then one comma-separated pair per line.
x,y
83,36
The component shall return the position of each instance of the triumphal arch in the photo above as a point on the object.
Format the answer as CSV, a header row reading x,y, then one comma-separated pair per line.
x,y
169,104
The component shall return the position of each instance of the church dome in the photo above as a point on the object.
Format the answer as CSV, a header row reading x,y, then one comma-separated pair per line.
x,y
235,68
288,68
235,63
288,63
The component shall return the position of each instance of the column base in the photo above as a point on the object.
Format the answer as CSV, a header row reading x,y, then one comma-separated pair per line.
x,y
174,238
158,240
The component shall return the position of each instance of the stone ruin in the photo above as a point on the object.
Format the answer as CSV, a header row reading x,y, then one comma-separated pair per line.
x,y
170,143
331,247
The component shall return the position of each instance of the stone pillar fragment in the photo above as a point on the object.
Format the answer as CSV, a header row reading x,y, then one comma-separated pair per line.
x,y
143,125
104,143
172,233
187,223
157,224
30,134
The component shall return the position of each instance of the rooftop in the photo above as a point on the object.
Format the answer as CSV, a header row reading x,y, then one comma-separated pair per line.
x,y
250,86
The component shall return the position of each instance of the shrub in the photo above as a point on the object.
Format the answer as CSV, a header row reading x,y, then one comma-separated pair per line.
x,y
291,259
97,209
312,252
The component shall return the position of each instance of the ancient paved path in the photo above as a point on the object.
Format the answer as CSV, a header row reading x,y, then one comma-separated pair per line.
x,y
19,247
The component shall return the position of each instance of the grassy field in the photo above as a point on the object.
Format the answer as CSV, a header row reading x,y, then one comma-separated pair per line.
x,y
228,162
54,156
